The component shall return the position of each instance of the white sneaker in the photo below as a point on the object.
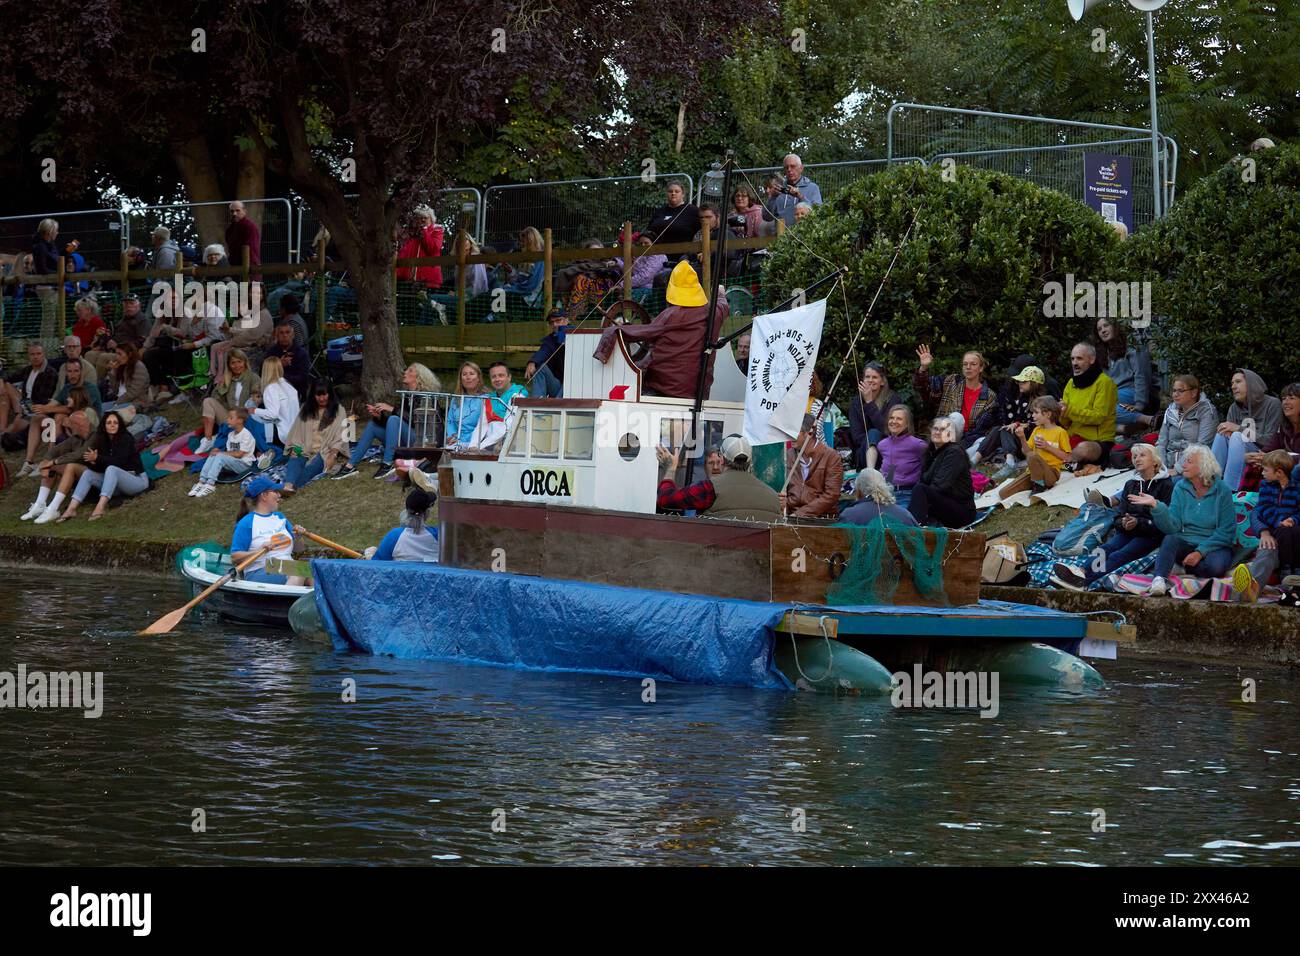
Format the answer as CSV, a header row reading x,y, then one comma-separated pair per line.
x,y
1159,586
178,399
48,515
205,490
205,446
31,512
28,468
194,490
265,459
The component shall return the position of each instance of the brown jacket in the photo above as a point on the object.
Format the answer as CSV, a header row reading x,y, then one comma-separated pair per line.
x,y
677,335
819,496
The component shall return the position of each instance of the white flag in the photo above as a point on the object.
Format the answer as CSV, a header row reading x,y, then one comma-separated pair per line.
x,y
782,352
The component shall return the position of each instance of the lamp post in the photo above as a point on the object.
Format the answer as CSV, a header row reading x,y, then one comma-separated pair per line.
x,y
1077,9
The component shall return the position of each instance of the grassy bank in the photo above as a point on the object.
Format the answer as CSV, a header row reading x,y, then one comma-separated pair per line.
x,y
355,512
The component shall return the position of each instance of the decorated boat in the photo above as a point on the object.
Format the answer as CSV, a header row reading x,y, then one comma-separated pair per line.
x,y
553,557
246,602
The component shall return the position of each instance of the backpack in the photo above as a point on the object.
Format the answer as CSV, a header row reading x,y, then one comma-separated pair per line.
x,y
1084,531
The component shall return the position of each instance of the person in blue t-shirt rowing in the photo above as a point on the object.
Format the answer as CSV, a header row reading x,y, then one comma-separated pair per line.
x,y
260,524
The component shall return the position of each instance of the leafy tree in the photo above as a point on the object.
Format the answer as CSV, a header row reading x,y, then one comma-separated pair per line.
x,y
1225,270
971,274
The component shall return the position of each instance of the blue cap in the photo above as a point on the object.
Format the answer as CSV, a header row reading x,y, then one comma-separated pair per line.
x,y
260,484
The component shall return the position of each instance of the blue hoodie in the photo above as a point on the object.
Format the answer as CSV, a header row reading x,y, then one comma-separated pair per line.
x,y
1205,523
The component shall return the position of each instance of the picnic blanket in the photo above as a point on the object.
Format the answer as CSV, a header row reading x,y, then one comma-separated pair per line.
x,y
1070,490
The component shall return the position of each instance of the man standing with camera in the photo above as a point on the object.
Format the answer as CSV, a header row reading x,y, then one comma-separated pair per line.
x,y
795,189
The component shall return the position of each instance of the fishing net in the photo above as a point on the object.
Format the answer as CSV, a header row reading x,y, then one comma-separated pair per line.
x,y
871,574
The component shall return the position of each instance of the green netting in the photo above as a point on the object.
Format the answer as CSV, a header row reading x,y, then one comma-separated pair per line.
x,y
871,574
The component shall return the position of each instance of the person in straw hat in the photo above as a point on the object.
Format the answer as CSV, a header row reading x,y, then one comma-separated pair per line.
x,y
676,335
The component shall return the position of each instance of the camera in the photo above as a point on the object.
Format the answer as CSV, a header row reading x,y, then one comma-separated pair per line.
x,y
736,220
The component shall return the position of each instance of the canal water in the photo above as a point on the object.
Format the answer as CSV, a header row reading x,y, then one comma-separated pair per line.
x,y
219,745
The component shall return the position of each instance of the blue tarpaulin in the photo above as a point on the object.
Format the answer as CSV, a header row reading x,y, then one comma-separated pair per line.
x,y
438,613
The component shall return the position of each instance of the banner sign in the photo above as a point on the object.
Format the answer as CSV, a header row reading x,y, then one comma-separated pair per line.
x,y
1108,186
782,352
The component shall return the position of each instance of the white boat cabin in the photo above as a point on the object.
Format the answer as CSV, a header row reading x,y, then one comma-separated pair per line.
x,y
595,448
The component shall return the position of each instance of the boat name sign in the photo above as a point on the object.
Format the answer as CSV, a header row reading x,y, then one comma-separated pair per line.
x,y
547,482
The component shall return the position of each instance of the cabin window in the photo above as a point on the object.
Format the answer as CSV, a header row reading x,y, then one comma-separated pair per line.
x,y
579,435
629,446
545,440
674,433
519,443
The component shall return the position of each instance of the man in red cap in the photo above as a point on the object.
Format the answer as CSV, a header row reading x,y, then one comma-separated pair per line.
x,y
676,335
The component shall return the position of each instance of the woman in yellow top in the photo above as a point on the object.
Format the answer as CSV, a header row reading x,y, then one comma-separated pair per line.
x,y
317,438
1047,447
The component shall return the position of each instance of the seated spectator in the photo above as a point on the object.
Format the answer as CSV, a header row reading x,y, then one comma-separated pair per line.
x,y
967,393
1088,411
463,412
476,273
1025,382
868,414
279,402
292,357
177,333
291,313
413,539
1287,436
745,203
316,440
504,391
801,211
1046,448
89,322
1136,534
586,283
1253,419
386,425
545,370
1189,420
238,458
677,335
527,282
1276,519
1129,367
646,266
816,476
33,384
72,350
1199,523
713,464
874,502
127,382
62,465
235,389
423,241
250,332
945,495
133,326
734,259
735,493
298,286
72,397
902,453
215,255
675,221
260,524
112,465
796,188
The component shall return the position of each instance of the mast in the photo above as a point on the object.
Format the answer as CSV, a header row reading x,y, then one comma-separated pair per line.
x,y
707,343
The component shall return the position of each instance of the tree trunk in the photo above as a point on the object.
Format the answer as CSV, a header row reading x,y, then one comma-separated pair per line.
x,y
199,174
376,288
250,180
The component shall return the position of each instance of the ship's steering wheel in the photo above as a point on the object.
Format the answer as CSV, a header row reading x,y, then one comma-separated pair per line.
x,y
626,312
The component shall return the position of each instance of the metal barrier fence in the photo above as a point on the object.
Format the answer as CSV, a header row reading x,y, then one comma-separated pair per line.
x,y
432,420
273,216
100,231
452,206
576,209
829,177
1042,149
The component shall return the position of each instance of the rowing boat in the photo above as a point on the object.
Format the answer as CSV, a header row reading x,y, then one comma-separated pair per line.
x,y
246,602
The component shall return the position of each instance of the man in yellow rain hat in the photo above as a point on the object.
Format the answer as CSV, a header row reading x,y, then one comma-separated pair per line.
x,y
676,336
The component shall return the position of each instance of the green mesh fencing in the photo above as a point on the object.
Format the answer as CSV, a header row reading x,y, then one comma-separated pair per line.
x,y
871,575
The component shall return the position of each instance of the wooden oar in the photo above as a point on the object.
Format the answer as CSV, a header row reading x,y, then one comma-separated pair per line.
x,y
167,622
330,544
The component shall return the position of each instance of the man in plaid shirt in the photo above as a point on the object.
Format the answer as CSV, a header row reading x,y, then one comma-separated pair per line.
x,y
699,496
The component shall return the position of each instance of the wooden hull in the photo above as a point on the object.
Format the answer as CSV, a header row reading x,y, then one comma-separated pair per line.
x,y
794,563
